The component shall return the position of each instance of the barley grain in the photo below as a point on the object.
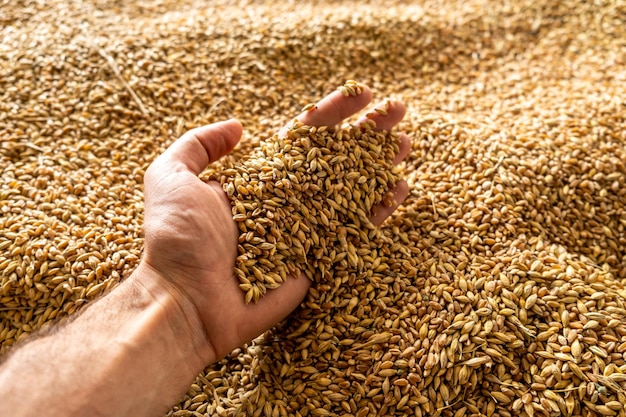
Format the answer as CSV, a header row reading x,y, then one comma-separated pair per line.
x,y
514,225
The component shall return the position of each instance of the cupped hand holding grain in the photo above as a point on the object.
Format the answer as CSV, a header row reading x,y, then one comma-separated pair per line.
x,y
134,351
191,238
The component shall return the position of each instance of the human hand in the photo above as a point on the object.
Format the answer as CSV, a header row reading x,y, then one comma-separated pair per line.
x,y
191,237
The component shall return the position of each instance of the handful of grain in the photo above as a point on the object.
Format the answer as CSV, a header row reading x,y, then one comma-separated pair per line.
x,y
302,202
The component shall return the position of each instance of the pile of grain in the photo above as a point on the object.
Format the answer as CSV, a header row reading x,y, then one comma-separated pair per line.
x,y
502,290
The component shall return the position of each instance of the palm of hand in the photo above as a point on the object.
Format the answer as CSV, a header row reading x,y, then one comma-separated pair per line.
x,y
191,237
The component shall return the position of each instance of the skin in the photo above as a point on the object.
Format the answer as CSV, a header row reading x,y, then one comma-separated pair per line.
x,y
136,350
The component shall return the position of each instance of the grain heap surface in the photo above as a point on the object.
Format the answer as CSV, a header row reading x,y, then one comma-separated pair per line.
x,y
496,289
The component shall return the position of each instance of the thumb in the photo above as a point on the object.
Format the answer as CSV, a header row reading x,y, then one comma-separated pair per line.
x,y
201,146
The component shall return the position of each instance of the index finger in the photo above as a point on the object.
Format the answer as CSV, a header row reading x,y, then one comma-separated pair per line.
x,y
333,109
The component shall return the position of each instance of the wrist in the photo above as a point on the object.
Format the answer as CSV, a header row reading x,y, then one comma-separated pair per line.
x,y
131,353
179,315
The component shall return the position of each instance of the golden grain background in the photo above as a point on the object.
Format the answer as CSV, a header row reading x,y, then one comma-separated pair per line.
x,y
507,297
